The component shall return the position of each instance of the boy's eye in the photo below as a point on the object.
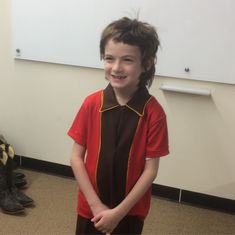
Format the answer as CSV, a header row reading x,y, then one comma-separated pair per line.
x,y
108,58
128,60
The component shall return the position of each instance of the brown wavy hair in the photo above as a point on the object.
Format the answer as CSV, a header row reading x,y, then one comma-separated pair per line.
x,y
135,33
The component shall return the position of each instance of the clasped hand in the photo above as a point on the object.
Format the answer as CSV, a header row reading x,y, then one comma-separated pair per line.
x,y
107,220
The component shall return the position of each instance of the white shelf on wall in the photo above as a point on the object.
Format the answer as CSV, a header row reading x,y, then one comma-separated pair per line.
x,y
187,90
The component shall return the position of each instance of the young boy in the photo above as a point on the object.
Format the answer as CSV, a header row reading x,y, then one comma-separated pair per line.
x,y
119,133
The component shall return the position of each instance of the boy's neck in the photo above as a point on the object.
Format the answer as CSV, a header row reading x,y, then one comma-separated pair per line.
x,y
123,96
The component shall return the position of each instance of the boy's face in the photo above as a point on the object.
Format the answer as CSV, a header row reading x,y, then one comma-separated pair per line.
x,y
122,65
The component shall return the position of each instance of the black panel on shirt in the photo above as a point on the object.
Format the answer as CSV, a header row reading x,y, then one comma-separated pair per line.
x,y
118,126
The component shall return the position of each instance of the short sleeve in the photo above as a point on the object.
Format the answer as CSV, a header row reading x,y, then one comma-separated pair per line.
x,y
78,130
157,139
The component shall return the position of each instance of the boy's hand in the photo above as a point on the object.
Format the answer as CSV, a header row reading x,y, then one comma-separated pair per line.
x,y
107,220
97,208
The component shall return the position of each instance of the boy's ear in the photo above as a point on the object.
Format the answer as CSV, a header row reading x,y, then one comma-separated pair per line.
x,y
149,63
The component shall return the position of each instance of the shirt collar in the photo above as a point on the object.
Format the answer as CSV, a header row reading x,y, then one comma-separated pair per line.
x,y
136,104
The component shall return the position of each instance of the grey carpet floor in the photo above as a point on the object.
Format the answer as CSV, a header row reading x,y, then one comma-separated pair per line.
x,y
54,212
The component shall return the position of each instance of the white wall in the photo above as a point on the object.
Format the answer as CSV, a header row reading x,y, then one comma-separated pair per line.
x,y
38,102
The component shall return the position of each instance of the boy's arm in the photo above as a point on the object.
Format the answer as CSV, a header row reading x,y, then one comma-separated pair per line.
x,y
107,220
80,173
142,185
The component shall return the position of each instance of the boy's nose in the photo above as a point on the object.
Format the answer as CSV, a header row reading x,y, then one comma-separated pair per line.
x,y
117,66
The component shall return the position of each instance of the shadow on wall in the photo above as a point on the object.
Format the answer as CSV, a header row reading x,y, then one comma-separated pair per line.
x,y
197,119
199,138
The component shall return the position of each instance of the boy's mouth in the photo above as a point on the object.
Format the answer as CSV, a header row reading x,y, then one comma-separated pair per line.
x,y
118,77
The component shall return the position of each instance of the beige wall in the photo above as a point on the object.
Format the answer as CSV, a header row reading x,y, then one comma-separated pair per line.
x,y
38,102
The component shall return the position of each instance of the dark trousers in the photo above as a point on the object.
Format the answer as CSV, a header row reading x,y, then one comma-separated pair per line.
x,y
128,225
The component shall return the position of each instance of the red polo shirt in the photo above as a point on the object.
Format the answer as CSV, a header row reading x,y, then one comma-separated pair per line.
x,y
118,139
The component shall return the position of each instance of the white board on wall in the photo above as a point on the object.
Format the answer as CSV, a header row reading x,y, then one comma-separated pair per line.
x,y
194,34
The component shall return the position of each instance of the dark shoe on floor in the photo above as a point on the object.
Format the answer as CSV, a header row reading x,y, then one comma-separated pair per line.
x,y
19,183
9,204
23,199
18,175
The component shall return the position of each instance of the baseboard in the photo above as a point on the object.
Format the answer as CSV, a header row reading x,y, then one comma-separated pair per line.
x,y
171,193
166,192
208,201
44,166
